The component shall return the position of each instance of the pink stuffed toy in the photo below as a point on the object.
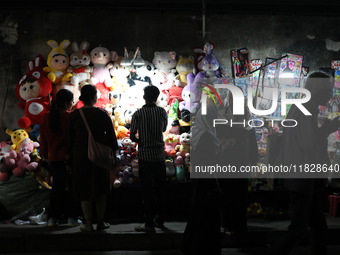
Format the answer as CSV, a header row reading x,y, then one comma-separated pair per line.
x,y
101,58
23,159
165,63
7,163
171,141
33,92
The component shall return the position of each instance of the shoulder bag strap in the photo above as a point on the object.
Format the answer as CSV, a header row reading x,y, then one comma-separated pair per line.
x,y
85,121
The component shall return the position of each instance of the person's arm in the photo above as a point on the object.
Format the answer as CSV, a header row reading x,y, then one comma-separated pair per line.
x,y
164,121
43,148
110,133
134,127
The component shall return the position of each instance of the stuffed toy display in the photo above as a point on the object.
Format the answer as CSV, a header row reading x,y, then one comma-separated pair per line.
x,y
185,65
192,93
101,59
165,63
33,92
58,62
80,64
19,161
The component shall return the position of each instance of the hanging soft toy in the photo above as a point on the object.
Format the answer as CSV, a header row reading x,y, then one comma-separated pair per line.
x,y
120,75
80,64
142,75
185,65
33,92
58,62
165,63
192,93
209,63
101,58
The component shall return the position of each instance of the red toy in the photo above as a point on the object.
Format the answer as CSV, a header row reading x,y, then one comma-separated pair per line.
x,y
33,92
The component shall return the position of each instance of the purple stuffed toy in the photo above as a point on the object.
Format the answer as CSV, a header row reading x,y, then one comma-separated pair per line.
x,y
192,92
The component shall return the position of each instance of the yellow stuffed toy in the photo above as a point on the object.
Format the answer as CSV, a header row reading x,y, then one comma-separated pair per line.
x,y
17,137
57,62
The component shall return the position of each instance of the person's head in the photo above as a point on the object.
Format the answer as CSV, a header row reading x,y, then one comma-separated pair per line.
x,y
320,85
151,94
64,100
88,95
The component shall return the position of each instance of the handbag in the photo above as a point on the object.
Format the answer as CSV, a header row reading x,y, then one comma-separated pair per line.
x,y
100,154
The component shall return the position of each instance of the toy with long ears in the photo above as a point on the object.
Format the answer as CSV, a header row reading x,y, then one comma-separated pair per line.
x,y
33,91
58,62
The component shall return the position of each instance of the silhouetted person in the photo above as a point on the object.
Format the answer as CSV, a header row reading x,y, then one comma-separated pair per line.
x,y
147,127
307,144
91,183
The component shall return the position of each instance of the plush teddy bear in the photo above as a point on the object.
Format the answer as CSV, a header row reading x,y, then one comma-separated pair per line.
x,y
7,163
33,92
192,93
165,63
185,65
120,75
171,141
179,165
58,62
80,64
184,146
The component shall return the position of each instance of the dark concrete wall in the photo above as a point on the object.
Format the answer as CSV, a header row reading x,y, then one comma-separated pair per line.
x,y
158,30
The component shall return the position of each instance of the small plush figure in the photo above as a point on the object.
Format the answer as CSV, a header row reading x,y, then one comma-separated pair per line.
x,y
163,100
142,75
169,167
126,175
135,167
17,138
165,63
171,141
179,165
129,147
120,75
80,64
192,93
101,59
23,160
209,63
185,65
184,146
58,62
33,92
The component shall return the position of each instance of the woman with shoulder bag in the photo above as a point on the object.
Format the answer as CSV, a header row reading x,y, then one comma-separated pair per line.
x,y
91,182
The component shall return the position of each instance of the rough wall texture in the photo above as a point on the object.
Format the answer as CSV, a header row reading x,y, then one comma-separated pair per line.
x,y
24,33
